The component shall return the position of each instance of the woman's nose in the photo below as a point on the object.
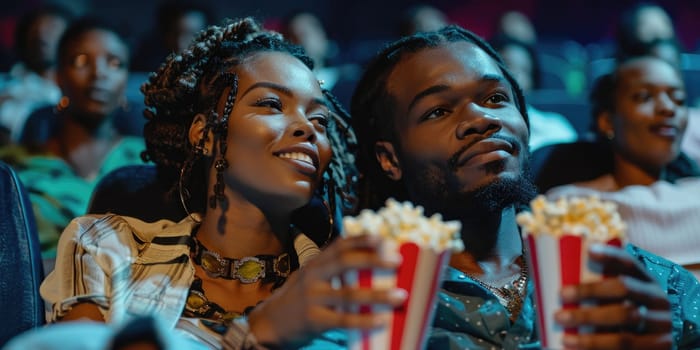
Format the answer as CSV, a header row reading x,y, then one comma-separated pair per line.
x,y
99,68
665,105
304,128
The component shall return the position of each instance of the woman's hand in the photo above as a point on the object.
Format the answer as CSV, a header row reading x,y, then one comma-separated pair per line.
x,y
630,310
308,304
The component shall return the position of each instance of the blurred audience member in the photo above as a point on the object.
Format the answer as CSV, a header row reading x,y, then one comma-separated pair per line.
x,y
640,25
177,23
516,25
92,70
545,127
306,30
421,18
564,60
30,84
640,110
42,124
670,50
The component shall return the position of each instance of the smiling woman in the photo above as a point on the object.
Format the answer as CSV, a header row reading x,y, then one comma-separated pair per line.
x,y
645,118
641,113
276,124
251,137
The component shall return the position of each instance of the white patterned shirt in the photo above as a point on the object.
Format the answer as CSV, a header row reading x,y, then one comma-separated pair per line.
x,y
131,268
663,218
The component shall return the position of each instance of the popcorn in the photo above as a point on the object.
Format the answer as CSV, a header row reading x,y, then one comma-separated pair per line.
x,y
425,245
402,222
591,217
558,235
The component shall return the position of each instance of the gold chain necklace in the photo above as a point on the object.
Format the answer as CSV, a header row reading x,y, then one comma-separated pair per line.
x,y
510,295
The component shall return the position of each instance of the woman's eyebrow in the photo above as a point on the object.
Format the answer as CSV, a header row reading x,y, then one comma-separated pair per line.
x,y
266,84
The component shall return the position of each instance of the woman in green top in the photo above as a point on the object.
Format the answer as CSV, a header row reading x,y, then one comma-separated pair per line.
x,y
81,142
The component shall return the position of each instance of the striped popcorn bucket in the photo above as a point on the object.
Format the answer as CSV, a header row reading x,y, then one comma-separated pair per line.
x,y
556,262
420,275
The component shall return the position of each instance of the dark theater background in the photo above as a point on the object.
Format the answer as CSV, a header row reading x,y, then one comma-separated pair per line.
x,y
347,22
575,38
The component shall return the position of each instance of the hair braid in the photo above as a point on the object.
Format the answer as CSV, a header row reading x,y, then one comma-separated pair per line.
x,y
342,170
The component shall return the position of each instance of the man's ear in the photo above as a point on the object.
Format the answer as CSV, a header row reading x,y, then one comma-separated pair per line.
x,y
605,125
197,133
388,161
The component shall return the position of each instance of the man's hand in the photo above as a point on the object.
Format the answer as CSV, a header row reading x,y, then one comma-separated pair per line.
x,y
629,309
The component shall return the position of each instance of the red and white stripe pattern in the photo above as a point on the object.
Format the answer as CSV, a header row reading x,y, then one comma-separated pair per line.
x,y
556,262
420,275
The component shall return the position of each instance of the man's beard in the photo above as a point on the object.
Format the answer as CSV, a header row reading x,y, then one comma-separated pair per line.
x,y
485,201
492,198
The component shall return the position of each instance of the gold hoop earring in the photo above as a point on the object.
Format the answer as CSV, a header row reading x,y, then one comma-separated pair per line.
x,y
330,222
328,190
62,104
183,192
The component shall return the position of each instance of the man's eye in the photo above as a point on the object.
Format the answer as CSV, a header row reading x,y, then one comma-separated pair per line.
x,y
435,113
497,98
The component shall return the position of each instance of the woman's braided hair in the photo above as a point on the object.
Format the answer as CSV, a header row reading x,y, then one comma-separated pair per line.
x,y
192,82
372,105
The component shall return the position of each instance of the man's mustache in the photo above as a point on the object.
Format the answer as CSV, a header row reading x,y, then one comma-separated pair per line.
x,y
452,163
